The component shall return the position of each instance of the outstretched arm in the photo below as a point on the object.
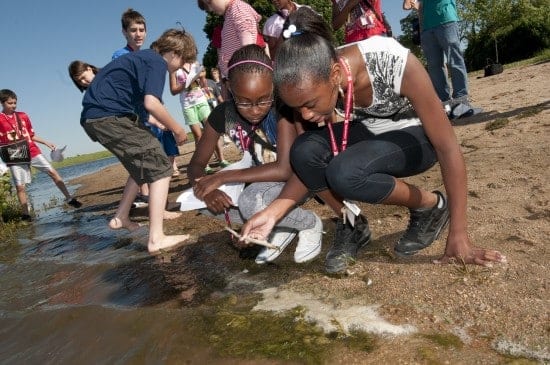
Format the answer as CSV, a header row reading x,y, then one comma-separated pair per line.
x,y
38,139
418,88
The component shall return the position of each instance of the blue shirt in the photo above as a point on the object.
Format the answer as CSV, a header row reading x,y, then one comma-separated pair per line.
x,y
122,52
120,87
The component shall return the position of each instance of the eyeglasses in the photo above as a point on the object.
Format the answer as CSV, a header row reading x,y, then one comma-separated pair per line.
x,y
259,104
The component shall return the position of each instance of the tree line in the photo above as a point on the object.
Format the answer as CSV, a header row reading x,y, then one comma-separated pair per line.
x,y
516,29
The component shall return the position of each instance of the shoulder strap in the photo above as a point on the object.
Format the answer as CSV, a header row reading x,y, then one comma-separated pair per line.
x,y
19,125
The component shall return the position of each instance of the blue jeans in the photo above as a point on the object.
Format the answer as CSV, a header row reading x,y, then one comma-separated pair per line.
x,y
442,44
367,169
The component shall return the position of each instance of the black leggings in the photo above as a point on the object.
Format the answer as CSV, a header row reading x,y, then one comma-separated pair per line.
x,y
365,171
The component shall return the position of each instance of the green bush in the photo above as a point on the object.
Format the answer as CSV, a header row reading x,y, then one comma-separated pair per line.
x,y
9,205
519,41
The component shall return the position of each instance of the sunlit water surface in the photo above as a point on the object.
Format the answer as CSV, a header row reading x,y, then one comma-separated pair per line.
x,y
73,291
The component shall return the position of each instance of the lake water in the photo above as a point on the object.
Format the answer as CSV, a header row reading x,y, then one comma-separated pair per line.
x,y
75,292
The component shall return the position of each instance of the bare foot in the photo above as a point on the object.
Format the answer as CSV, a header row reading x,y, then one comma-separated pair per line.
x,y
168,243
171,215
117,223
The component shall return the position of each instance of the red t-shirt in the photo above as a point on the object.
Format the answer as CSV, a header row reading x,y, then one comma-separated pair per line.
x,y
362,21
9,131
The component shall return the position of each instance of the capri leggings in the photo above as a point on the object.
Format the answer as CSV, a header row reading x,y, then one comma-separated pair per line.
x,y
367,169
256,197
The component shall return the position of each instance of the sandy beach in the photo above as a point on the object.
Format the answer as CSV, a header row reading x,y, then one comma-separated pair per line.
x,y
417,312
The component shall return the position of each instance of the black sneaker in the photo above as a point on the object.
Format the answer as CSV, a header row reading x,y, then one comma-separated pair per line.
x,y
347,241
425,225
74,203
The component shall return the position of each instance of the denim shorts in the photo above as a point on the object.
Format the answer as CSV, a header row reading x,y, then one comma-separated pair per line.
x,y
133,144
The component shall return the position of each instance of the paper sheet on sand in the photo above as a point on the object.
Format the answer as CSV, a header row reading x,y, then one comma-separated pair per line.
x,y
188,200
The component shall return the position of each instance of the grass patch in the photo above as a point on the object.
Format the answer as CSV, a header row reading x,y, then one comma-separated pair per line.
x,y
541,57
497,124
250,335
446,340
234,330
9,247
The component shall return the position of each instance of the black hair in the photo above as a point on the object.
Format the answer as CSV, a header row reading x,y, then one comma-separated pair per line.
x,y
307,51
252,59
77,68
132,16
6,94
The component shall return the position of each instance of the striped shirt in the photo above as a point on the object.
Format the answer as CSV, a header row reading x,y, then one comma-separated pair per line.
x,y
240,28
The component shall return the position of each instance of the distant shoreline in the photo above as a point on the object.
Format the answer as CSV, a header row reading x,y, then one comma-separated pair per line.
x,y
79,159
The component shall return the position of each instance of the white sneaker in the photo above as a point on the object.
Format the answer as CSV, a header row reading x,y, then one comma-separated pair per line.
x,y
464,110
280,237
309,242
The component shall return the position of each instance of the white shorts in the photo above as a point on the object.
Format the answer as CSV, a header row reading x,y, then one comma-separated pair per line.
x,y
21,174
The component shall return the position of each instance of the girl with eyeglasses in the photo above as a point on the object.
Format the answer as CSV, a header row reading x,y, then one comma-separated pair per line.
x,y
250,119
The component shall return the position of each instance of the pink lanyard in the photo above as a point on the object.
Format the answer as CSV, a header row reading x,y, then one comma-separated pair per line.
x,y
347,113
245,141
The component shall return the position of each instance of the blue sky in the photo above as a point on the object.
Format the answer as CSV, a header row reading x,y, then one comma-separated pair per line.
x,y
41,38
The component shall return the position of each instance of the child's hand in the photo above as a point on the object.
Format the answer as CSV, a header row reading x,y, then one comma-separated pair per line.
x,y
206,184
460,250
258,226
180,136
217,201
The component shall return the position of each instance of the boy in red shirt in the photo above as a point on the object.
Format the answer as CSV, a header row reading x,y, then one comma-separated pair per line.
x,y
10,129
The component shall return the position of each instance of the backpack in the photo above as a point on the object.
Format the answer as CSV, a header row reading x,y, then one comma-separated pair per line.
x,y
493,68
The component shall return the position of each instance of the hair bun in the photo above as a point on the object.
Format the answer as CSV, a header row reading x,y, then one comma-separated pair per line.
x,y
291,31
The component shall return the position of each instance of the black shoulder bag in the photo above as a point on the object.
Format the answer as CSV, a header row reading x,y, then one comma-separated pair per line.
x,y
18,151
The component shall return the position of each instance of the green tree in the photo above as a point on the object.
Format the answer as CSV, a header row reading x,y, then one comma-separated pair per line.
x,y
519,28
407,33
